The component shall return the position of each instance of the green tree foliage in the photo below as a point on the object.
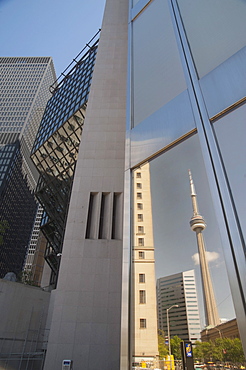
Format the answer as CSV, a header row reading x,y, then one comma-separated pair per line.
x,y
218,350
222,349
203,351
4,225
232,350
198,351
162,347
175,347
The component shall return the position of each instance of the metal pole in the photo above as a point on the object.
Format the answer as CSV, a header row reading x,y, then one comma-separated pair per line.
x,y
168,334
168,328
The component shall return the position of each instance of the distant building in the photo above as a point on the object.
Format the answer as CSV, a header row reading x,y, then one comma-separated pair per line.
x,y
25,91
33,241
179,289
145,315
228,329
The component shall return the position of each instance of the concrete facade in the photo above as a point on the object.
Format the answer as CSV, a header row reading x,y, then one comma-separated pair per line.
x,y
23,331
87,304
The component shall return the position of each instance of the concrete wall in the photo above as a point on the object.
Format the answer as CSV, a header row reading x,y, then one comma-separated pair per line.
x,y
23,317
86,319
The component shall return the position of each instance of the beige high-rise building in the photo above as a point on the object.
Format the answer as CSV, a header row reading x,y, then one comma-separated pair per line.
x,y
145,337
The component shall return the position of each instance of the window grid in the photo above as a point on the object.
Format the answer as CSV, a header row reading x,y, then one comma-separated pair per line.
x,y
71,94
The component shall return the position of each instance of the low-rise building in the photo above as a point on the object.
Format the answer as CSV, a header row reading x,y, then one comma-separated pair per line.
x,y
228,329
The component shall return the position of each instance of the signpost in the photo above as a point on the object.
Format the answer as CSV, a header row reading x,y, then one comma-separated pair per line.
x,y
187,355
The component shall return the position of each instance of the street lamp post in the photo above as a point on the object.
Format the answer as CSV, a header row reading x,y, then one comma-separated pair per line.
x,y
168,328
218,331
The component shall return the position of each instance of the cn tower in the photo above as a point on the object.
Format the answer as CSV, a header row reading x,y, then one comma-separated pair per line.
x,y
198,224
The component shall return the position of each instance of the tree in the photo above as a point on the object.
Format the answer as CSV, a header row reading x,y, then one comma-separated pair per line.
x,y
232,350
218,350
198,351
222,349
203,351
162,347
175,347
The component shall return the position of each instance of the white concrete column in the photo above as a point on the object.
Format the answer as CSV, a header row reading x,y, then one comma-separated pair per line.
x,y
87,307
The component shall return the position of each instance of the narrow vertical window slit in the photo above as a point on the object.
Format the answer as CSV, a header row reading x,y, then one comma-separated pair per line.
x,y
88,234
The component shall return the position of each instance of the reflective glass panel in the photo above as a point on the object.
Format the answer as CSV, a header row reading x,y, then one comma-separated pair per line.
x,y
160,78
177,212
206,25
231,132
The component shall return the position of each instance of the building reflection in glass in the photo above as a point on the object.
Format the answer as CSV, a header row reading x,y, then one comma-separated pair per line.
x,y
163,243
145,348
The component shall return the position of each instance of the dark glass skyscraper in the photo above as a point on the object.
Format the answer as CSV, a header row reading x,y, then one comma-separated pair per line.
x,y
56,148
25,85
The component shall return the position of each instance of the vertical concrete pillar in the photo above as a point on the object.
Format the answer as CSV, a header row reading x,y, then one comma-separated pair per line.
x,y
85,325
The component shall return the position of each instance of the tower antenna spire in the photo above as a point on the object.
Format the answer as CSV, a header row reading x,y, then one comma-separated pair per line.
x,y
197,225
193,196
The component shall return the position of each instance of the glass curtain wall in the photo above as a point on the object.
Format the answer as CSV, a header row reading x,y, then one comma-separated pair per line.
x,y
185,113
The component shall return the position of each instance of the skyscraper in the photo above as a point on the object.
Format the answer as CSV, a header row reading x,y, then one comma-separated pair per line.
x,y
24,93
179,289
198,224
33,242
55,150
167,90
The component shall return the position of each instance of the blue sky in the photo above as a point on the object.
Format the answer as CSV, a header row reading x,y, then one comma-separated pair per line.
x,y
56,28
